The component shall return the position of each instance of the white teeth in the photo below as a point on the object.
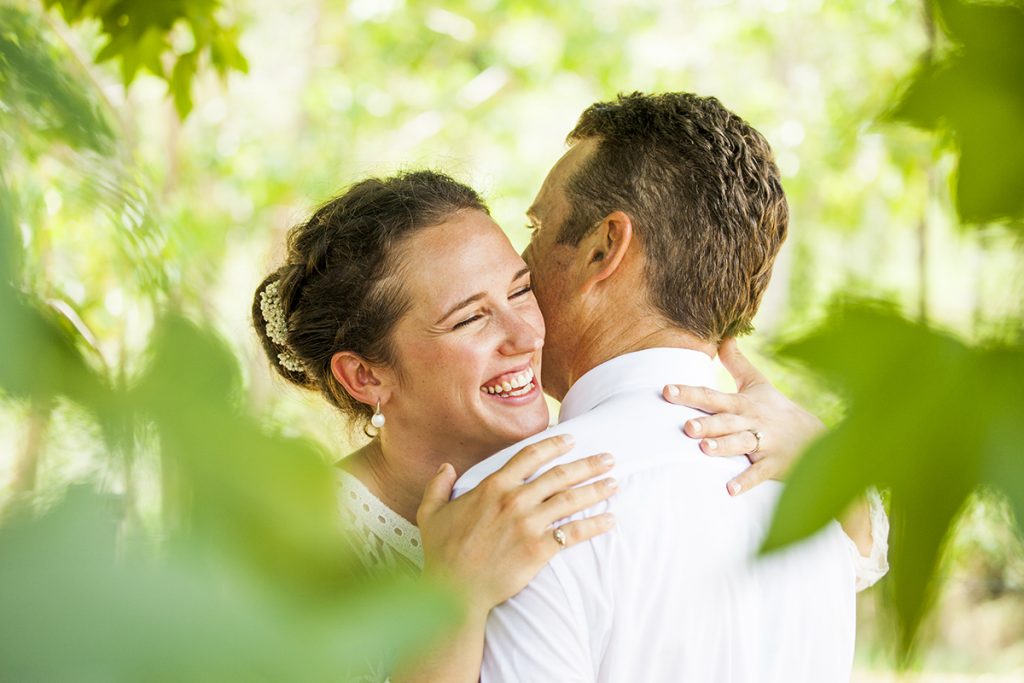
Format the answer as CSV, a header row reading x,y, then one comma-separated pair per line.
x,y
523,390
512,385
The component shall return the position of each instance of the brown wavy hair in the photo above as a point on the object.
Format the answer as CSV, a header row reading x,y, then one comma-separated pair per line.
x,y
340,287
705,197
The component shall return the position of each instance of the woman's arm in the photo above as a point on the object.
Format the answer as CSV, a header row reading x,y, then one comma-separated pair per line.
x,y
785,430
490,542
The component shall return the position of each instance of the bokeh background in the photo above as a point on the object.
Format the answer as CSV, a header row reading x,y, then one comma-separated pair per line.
x,y
189,214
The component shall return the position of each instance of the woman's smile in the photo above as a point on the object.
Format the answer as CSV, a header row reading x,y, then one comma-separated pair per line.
x,y
511,384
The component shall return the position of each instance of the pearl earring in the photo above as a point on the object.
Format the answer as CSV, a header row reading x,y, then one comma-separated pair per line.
x,y
378,417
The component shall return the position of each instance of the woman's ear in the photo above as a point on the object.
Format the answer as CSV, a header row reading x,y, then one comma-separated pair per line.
x,y
608,245
361,380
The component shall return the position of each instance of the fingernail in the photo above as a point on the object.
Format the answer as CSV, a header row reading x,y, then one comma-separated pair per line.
x,y
441,468
611,484
568,439
712,444
735,487
608,459
694,426
673,390
609,519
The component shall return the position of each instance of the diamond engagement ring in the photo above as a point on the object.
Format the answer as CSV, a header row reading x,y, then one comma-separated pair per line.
x,y
559,536
757,435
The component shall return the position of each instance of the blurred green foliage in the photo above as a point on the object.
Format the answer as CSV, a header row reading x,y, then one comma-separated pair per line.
x,y
77,604
252,576
131,239
973,90
929,417
43,100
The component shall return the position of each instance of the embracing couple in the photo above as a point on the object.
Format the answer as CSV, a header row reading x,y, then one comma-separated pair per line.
x,y
621,543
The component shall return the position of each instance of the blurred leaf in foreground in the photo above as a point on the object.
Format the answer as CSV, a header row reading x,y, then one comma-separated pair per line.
x,y
71,608
272,500
929,418
40,96
41,360
975,89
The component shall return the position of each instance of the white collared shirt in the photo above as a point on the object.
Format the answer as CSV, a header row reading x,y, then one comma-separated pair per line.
x,y
675,592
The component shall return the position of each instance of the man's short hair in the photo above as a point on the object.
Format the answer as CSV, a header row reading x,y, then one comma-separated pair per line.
x,y
705,198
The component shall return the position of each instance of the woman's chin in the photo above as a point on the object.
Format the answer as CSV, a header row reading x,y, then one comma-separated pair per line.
x,y
517,417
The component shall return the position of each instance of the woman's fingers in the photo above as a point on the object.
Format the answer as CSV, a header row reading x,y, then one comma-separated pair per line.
x,y
528,460
701,398
749,478
437,493
741,369
565,476
583,529
574,500
714,426
740,443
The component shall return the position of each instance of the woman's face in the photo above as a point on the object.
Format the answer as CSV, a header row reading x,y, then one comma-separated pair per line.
x,y
469,347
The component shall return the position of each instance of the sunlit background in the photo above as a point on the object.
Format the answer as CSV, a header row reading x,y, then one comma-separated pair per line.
x,y
193,213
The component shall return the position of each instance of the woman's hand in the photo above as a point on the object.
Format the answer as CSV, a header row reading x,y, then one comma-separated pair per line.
x,y
495,538
784,427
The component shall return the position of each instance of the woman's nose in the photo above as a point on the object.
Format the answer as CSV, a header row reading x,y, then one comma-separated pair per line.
x,y
520,336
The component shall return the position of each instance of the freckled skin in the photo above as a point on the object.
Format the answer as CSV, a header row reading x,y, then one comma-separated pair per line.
x,y
443,365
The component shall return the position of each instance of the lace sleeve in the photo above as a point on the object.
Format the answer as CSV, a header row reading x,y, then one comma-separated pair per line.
x,y
873,567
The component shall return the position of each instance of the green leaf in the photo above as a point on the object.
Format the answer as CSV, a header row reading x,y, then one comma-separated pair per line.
x,y
41,359
929,418
181,83
974,89
272,500
1004,466
137,34
10,247
76,606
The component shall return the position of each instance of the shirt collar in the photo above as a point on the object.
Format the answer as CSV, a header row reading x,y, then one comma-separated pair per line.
x,y
646,369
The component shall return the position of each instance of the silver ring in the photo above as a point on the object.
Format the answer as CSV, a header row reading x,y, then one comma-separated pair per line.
x,y
559,536
757,435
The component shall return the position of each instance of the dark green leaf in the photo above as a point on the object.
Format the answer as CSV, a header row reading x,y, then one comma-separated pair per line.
x,y
975,89
929,418
181,83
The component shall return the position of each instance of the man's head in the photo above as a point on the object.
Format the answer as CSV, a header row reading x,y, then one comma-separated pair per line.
x,y
669,203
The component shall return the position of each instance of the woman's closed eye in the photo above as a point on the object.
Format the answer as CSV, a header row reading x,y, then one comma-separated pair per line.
x,y
467,321
521,291
517,294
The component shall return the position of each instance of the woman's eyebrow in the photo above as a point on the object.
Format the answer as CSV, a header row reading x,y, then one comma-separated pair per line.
x,y
462,304
476,297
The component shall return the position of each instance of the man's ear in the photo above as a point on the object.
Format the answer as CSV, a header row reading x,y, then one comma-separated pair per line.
x,y
363,382
607,247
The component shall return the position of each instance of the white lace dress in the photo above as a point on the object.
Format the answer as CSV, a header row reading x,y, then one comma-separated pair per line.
x,y
385,541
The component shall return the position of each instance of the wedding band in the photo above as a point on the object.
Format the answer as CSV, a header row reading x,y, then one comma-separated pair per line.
x,y
559,536
757,435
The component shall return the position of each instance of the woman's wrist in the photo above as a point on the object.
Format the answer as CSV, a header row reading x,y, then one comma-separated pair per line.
x,y
476,602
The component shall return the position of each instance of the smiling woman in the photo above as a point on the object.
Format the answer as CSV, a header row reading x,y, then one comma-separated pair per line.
x,y
402,298
472,324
